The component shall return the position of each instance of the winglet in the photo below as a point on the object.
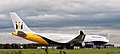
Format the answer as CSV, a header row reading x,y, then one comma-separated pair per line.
x,y
81,32
79,39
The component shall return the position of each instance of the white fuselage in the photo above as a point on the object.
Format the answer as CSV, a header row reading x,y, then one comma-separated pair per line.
x,y
64,38
90,38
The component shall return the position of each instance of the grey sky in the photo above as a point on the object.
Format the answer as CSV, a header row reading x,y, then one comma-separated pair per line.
x,y
57,15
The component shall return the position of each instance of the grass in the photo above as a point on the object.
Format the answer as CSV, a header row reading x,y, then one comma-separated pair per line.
x,y
56,51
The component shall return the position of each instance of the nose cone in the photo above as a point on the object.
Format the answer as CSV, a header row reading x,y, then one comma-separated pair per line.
x,y
14,33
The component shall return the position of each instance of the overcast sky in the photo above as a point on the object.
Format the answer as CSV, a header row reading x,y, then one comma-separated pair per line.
x,y
62,16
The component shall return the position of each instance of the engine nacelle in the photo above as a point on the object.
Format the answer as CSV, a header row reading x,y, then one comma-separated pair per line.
x,y
88,44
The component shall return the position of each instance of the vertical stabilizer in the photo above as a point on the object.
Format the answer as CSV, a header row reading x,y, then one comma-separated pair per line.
x,y
19,25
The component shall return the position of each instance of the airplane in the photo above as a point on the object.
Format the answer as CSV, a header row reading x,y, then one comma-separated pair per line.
x,y
61,41
94,40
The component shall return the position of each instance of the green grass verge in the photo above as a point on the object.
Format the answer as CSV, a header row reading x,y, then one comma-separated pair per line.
x,y
56,51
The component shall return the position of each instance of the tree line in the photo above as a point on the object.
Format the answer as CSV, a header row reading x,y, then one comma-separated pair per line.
x,y
19,46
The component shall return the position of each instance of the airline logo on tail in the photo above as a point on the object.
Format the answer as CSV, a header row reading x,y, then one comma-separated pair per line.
x,y
19,25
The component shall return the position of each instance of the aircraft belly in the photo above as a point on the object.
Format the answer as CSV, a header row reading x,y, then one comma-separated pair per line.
x,y
36,38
